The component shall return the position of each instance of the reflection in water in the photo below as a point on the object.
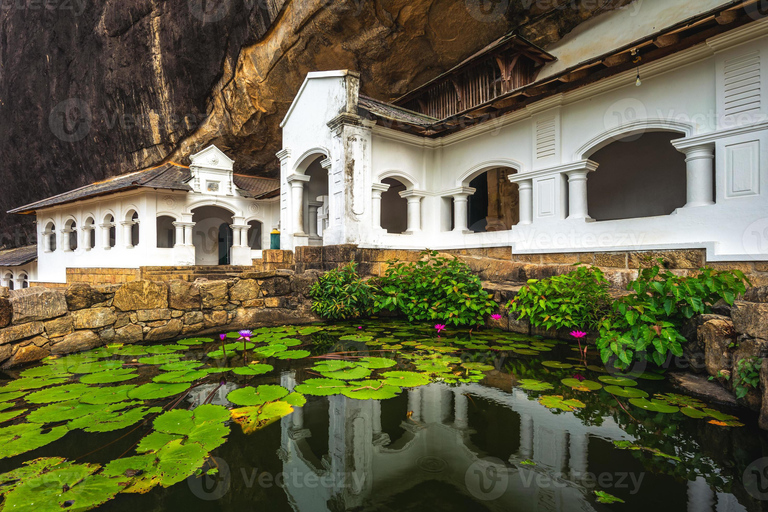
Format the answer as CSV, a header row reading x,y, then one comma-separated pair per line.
x,y
365,468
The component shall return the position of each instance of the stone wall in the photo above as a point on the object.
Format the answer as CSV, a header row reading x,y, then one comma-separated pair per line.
x,y
37,322
102,275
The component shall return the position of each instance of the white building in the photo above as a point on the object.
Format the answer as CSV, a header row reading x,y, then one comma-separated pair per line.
x,y
170,215
643,129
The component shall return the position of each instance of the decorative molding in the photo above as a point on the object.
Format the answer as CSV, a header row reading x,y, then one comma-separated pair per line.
x,y
283,154
314,75
459,191
711,137
303,178
629,129
581,165
745,34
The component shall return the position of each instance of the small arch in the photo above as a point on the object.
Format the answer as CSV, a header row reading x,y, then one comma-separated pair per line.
x,y
308,158
478,169
215,202
166,232
49,237
255,232
8,279
495,205
627,131
23,280
109,225
70,229
394,208
406,179
89,229
132,219
212,237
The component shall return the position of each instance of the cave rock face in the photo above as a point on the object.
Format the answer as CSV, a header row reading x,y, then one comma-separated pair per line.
x,y
94,89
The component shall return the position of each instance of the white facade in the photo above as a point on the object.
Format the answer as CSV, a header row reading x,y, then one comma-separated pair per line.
x,y
19,276
712,99
156,227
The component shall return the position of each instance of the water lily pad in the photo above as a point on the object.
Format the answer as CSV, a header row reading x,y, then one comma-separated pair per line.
x,y
377,363
249,396
165,349
109,376
719,415
295,399
154,390
95,366
189,342
482,367
141,469
693,413
558,402
254,369
177,461
605,498
44,371
294,354
254,418
29,383
406,379
680,400
311,329
356,337
653,405
204,425
9,415
557,365
113,417
535,385
131,351
62,411
107,395
617,381
180,376
24,437
28,470
354,373
159,359
270,350
626,392
11,396
582,385
181,365
321,387
57,394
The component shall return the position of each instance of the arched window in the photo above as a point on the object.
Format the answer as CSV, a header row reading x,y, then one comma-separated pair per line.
x,y
166,232
9,281
70,229
132,220
24,280
49,237
394,209
89,237
110,231
254,235
641,176
495,204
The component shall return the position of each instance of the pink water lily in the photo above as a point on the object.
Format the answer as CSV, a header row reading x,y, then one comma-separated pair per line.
x,y
222,337
245,334
578,334
440,328
359,326
579,377
496,316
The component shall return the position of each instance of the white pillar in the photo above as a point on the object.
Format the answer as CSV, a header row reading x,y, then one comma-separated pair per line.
x,y
414,210
460,209
189,233
526,436
313,207
65,240
377,190
297,201
699,161
525,191
579,454
105,235
460,408
85,241
414,404
577,194
46,235
127,225
179,226
244,235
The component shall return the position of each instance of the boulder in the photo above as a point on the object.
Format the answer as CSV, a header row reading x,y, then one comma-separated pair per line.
x,y
82,296
29,354
184,295
213,293
35,304
59,327
166,332
141,295
757,294
131,333
276,286
6,312
21,332
215,318
6,351
152,315
244,289
302,283
193,317
717,336
76,342
751,318
93,318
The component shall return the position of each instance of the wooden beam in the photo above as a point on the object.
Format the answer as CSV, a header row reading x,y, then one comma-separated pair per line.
x,y
617,60
727,17
666,40
574,76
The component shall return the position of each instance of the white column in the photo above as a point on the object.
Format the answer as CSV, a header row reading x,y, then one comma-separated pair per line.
x,y
577,194
525,191
699,161
127,225
460,208
377,190
65,240
244,235
189,233
460,408
579,454
414,404
313,207
179,226
297,202
414,210
105,235
85,241
526,436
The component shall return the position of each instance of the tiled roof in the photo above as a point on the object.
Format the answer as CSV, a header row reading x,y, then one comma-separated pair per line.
x,y
256,187
394,113
167,176
18,256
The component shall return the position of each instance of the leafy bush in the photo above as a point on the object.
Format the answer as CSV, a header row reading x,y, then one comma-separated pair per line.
x,y
748,373
341,294
645,325
577,300
434,288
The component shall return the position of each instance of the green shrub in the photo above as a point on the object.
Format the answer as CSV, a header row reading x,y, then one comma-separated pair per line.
x,y
748,375
341,294
577,300
435,288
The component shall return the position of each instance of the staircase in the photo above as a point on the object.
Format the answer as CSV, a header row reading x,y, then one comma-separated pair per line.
x,y
191,273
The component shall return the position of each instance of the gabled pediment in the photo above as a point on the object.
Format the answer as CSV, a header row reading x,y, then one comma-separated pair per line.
x,y
212,158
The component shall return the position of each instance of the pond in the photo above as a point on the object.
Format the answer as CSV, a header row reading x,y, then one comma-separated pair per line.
x,y
379,415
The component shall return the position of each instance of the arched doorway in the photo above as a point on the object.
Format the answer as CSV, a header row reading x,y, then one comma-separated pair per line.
x,y
166,232
213,236
394,209
316,200
495,205
638,176
254,235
